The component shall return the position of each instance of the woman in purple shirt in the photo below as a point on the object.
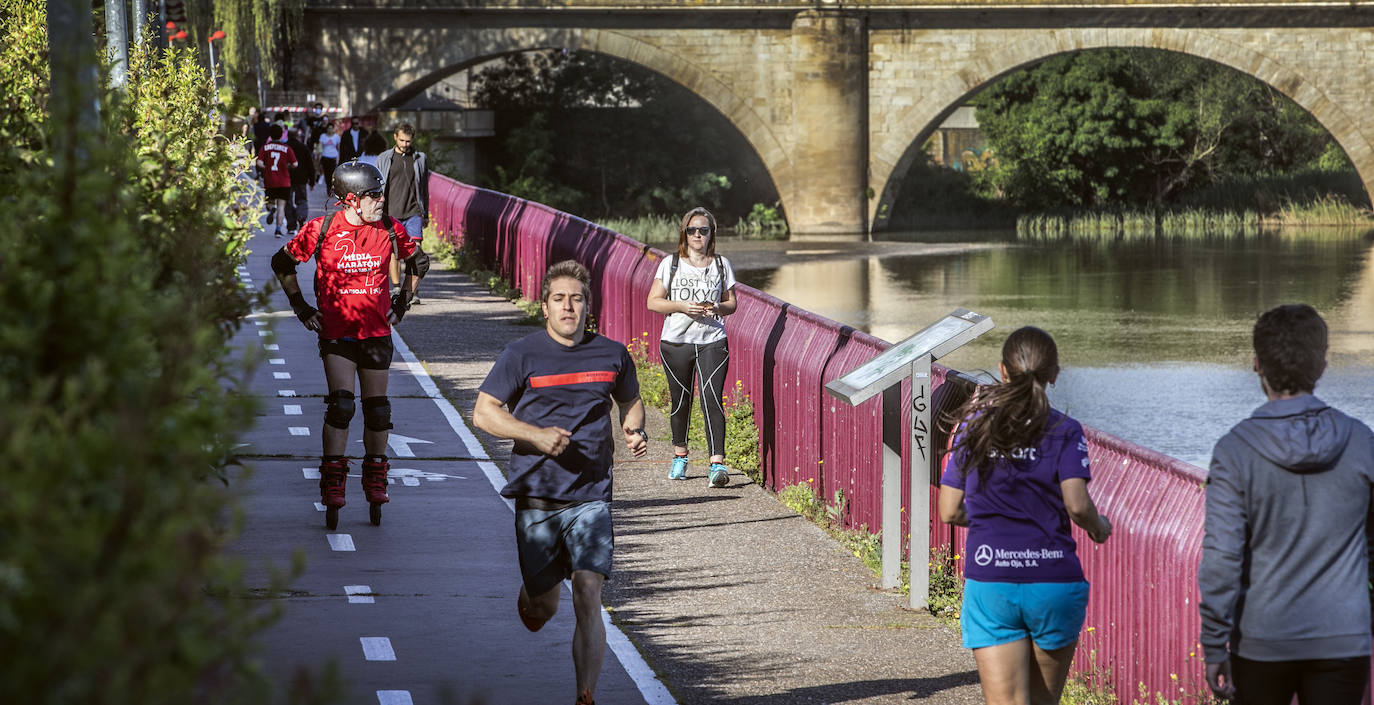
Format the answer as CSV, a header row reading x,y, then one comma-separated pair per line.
x,y
1016,477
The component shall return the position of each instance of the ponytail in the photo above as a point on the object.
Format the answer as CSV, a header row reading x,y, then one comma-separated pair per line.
x,y
1002,418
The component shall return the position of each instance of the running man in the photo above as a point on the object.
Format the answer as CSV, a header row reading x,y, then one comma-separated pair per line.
x,y
551,393
275,161
352,251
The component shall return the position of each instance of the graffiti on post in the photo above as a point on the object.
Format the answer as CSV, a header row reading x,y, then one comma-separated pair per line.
x,y
920,422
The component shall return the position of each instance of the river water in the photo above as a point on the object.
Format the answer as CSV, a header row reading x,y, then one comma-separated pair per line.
x,y
1153,333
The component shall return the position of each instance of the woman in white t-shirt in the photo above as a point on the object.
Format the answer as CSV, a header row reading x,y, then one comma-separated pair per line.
x,y
694,289
329,151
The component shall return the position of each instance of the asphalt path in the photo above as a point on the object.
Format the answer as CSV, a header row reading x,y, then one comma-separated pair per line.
x,y
420,609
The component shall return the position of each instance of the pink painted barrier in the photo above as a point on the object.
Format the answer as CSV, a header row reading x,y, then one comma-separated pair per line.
x,y
1142,618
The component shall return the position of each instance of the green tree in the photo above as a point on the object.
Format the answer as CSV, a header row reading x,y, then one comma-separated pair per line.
x,y
121,408
1135,127
621,140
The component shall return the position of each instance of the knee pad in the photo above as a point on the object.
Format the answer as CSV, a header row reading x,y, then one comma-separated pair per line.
x,y
339,408
377,414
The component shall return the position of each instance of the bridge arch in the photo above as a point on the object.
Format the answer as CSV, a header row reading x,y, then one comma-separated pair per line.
x,y
414,71
894,153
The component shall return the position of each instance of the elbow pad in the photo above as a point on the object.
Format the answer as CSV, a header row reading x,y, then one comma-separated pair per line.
x,y
418,264
283,264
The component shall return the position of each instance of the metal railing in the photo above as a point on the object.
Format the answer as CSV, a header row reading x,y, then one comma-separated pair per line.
x,y
1142,617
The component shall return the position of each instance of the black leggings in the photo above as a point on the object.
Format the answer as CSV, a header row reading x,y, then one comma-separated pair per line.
x,y
1320,681
707,364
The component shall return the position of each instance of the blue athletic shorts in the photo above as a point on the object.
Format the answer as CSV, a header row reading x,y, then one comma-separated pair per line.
x,y
414,226
553,541
1049,614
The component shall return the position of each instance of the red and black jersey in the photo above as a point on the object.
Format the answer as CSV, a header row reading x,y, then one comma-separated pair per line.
x,y
277,159
352,286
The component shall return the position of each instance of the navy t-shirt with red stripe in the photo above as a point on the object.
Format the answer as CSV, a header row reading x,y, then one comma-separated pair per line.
x,y
545,383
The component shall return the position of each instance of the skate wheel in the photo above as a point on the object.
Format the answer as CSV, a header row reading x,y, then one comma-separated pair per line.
x,y
374,512
331,518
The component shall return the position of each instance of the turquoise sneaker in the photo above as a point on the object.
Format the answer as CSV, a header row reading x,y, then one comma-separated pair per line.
x,y
718,475
678,471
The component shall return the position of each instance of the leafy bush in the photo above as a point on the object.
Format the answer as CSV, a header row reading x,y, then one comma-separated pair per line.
x,y
763,222
121,411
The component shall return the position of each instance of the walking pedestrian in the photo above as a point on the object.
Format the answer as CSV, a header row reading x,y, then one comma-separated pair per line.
x,y
262,130
329,151
1018,473
302,181
315,121
551,393
1286,549
246,134
352,250
352,141
275,161
373,147
406,176
695,289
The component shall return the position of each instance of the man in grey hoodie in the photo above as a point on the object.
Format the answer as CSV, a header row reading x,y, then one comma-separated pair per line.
x,y
1286,553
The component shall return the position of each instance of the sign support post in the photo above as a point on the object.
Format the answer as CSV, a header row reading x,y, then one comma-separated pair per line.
x,y
918,554
910,358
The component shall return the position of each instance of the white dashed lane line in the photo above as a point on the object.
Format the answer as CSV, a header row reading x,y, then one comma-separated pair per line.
x,y
377,648
271,346
359,595
277,361
340,542
394,697
311,473
281,375
291,409
300,430
286,392
264,333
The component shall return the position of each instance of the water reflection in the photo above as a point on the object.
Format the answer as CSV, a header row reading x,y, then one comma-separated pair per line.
x,y
1154,333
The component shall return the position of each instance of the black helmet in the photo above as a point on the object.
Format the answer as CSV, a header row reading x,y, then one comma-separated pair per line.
x,y
356,177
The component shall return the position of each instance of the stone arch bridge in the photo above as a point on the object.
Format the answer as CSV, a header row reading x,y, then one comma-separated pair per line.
x,y
837,99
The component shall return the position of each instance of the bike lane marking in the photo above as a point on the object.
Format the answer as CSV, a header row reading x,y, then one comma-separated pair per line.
x,y
377,648
359,595
394,697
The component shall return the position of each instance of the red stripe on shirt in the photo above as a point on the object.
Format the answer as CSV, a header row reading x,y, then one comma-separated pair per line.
x,y
571,378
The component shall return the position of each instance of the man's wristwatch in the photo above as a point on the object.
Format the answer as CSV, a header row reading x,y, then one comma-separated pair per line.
x,y
641,432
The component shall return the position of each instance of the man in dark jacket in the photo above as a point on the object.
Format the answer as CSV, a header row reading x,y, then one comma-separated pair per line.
x,y
406,178
351,142
1285,569
302,180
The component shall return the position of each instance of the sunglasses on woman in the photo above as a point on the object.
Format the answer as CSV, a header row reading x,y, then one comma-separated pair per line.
x,y
702,231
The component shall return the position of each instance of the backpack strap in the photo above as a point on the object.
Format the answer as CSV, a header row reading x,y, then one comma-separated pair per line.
x,y
672,272
390,226
720,275
324,229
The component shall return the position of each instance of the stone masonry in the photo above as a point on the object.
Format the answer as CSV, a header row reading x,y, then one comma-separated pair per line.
x,y
837,103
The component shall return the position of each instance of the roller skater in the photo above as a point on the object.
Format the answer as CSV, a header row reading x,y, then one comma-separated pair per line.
x,y
352,250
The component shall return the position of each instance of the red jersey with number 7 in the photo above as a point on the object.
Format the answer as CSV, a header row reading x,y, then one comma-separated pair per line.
x,y
276,159
352,286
